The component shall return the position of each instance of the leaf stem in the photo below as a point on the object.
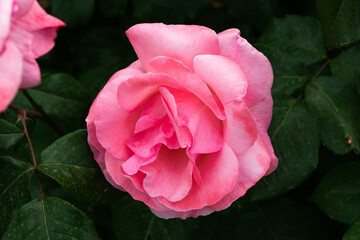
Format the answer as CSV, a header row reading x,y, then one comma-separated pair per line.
x,y
22,119
328,60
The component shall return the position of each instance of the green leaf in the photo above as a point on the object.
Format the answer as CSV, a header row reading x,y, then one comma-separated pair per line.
x,y
279,219
61,96
14,176
295,137
10,134
52,218
335,101
338,193
340,21
295,37
70,162
353,233
347,64
73,12
133,220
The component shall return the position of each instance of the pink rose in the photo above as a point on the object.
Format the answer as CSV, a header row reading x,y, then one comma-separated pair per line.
x,y
26,33
184,128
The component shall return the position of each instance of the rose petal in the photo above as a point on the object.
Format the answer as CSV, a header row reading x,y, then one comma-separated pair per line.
x,y
114,125
152,115
114,168
205,128
169,176
5,21
132,165
22,7
240,129
190,81
252,167
183,215
137,90
219,172
259,75
179,42
223,75
10,73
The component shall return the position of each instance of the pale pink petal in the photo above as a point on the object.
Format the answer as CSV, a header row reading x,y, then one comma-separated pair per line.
x,y
169,176
189,80
31,75
132,165
5,20
152,115
205,127
137,90
240,130
114,125
10,73
259,74
223,76
182,132
119,177
147,143
252,167
37,19
180,42
219,172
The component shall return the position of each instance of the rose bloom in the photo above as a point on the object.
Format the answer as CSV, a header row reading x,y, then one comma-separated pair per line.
x,y
26,33
184,128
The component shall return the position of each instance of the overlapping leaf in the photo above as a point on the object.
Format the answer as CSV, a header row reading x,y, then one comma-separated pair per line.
x,y
353,233
14,177
61,96
134,220
340,20
70,162
295,37
51,218
338,193
336,102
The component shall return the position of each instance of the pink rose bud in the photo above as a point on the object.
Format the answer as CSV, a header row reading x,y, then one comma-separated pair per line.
x,y
184,128
26,33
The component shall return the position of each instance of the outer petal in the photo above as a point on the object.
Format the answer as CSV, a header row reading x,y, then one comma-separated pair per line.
x,y
252,167
170,176
10,73
259,75
219,172
119,177
180,42
240,130
223,75
183,215
43,27
5,20
113,124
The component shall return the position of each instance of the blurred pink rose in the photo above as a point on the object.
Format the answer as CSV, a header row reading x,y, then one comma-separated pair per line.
x,y
26,33
184,128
